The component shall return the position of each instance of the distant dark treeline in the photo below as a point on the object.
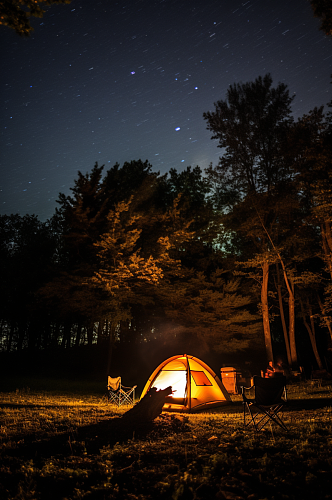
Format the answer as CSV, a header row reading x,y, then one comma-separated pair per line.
x,y
230,260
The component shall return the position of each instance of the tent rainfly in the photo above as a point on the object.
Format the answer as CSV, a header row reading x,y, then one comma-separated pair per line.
x,y
195,386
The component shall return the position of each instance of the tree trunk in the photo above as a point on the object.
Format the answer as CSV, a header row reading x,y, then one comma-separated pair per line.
x,y
291,309
89,333
78,334
55,335
46,335
291,305
112,327
21,335
32,335
265,311
326,319
327,244
11,335
100,330
66,339
291,313
311,330
282,316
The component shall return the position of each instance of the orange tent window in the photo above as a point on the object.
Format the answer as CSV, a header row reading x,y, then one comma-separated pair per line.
x,y
200,378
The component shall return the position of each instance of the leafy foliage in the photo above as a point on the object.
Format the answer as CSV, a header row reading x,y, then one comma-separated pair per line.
x,y
16,14
214,310
323,10
250,125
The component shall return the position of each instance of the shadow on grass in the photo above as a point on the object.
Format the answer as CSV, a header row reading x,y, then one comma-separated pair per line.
x,y
84,439
291,405
90,439
309,404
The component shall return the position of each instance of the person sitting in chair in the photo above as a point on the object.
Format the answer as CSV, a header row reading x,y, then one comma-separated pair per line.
x,y
270,370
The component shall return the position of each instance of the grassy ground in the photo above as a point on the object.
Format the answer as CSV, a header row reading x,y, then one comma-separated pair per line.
x,y
58,444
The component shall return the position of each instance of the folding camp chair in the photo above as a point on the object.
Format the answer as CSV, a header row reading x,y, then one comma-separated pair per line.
x,y
118,393
270,397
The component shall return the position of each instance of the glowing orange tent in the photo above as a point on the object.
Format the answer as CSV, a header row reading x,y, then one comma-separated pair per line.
x,y
195,386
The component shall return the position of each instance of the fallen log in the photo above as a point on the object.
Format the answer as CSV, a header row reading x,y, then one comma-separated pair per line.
x,y
148,408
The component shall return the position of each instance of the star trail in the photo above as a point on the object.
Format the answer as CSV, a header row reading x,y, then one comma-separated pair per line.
x,y
105,81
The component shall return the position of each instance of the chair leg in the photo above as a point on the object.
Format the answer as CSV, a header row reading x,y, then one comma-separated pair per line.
x,y
276,419
114,398
121,397
248,415
126,397
266,416
259,420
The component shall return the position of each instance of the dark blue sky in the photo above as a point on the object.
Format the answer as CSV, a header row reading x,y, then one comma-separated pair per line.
x,y
110,82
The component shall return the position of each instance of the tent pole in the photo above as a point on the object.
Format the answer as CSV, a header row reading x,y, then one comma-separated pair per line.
x,y
188,383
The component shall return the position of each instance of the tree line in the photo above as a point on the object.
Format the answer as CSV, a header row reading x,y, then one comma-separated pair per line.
x,y
237,255
16,14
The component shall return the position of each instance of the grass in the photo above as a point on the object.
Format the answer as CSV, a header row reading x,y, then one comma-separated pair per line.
x,y
57,444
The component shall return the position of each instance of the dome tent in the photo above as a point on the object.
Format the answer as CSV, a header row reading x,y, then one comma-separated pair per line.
x,y
195,386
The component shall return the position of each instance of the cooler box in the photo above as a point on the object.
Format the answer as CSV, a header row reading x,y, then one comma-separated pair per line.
x,y
228,377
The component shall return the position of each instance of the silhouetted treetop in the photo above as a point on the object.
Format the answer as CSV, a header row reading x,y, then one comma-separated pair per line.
x,y
323,10
16,14
250,125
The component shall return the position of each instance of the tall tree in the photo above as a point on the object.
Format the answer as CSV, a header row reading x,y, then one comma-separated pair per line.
x,y
119,240
82,218
249,182
130,272
251,125
311,141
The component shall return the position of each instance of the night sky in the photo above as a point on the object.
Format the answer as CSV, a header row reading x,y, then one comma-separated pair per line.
x,y
105,81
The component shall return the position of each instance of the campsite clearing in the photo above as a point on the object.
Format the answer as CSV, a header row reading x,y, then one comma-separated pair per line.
x,y
59,445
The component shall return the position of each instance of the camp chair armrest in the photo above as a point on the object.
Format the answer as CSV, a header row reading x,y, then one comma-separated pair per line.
x,y
243,389
243,394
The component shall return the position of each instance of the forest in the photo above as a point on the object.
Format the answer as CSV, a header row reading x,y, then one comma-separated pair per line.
x,y
232,259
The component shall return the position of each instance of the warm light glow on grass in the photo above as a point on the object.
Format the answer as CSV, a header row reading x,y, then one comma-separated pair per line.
x,y
70,445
